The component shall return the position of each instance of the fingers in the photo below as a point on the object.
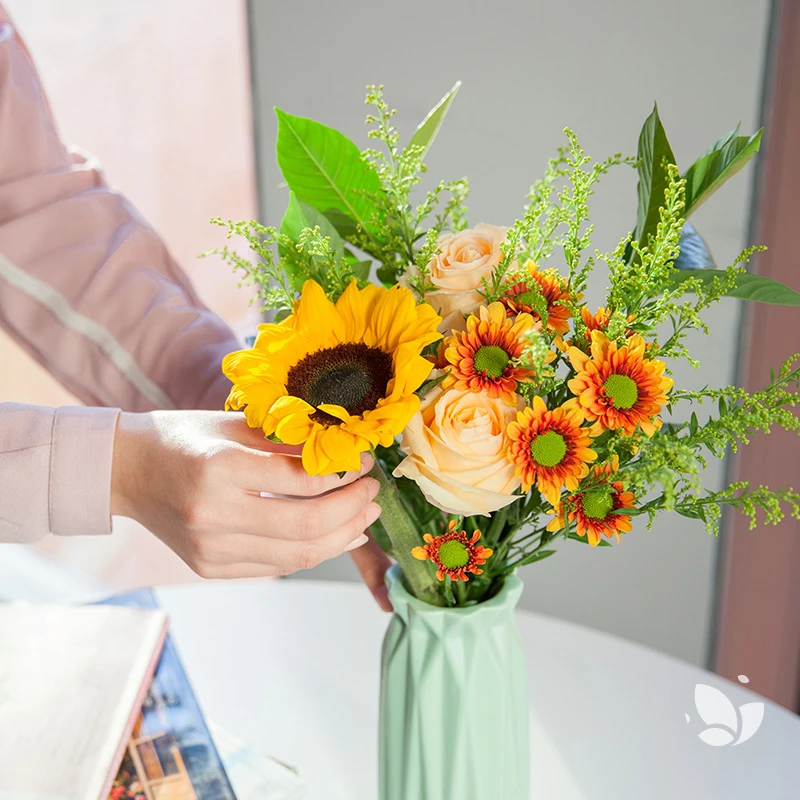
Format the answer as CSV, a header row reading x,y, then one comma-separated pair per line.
x,y
243,570
279,473
290,555
372,563
303,520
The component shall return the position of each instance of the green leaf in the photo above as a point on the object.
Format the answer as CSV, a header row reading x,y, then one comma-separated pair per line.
x,y
697,512
723,160
361,269
755,288
585,540
426,131
694,251
300,215
653,153
325,170
539,555
429,385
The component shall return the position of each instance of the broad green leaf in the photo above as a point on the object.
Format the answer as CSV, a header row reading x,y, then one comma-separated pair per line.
x,y
361,269
756,288
426,131
324,169
300,215
723,160
694,251
653,153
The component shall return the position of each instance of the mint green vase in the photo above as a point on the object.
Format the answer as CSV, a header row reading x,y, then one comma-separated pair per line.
x,y
454,707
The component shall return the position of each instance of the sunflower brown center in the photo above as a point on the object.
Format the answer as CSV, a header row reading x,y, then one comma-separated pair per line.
x,y
548,449
454,554
622,391
353,376
597,503
491,360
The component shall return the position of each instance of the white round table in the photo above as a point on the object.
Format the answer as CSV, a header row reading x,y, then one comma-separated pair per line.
x,y
292,668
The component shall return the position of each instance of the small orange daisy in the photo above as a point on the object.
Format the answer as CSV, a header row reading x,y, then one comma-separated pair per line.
x,y
518,297
617,387
599,322
454,553
481,358
592,511
550,448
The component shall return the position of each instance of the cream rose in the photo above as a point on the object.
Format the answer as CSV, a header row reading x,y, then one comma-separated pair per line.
x,y
466,258
456,452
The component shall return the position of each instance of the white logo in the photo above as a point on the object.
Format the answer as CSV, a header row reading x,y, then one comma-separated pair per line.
x,y
726,725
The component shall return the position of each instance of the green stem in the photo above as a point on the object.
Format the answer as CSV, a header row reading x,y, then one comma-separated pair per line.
x,y
404,536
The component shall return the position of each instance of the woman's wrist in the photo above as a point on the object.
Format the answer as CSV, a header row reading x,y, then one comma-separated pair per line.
x,y
126,462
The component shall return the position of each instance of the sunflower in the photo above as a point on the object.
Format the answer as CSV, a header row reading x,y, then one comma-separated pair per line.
x,y
617,387
455,553
550,448
338,379
593,511
482,357
519,297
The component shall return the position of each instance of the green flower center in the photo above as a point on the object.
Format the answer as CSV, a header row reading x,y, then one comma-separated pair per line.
x,y
491,360
527,298
597,503
454,554
622,390
353,376
548,449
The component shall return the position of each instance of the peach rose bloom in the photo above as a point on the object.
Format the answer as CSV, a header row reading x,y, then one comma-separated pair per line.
x,y
456,452
466,258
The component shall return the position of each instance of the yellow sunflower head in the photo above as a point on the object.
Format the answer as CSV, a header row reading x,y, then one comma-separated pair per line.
x,y
519,296
595,512
619,388
337,378
550,448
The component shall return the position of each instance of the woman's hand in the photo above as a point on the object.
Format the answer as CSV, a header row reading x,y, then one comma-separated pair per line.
x,y
194,479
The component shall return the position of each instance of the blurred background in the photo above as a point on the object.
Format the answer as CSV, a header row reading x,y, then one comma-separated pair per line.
x,y
176,97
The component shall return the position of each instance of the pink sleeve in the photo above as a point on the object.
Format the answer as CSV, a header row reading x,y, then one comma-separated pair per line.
x,y
55,471
86,285
90,291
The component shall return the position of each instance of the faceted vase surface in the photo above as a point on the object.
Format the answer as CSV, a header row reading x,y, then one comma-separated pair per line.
x,y
454,709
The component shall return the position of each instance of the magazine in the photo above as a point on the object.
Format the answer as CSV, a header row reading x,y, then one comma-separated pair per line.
x,y
171,754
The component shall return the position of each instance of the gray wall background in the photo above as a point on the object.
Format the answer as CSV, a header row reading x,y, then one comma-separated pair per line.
x,y
529,68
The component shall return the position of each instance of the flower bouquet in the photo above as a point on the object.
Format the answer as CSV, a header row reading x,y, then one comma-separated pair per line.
x,y
506,416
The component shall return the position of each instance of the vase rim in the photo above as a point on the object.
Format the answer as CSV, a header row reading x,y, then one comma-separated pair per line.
x,y
396,584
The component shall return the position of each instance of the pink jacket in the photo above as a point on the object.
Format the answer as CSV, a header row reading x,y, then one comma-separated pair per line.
x,y
90,291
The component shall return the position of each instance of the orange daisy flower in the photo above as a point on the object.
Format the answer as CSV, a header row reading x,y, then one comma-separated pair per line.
x,y
518,297
550,448
481,358
617,387
592,511
599,322
454,553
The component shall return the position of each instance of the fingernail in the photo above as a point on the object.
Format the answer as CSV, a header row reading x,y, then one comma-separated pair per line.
x,y
367,463
362,540
373,512
373,486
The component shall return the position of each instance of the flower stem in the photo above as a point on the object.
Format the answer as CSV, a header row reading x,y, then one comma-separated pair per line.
x,y
404,536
